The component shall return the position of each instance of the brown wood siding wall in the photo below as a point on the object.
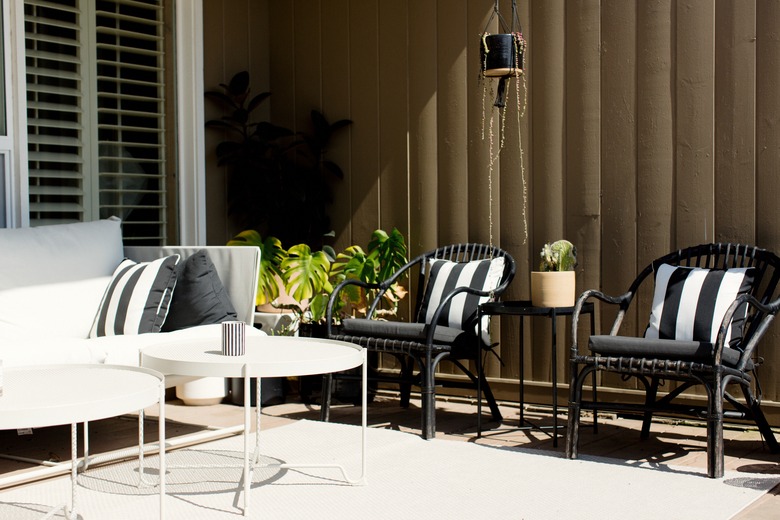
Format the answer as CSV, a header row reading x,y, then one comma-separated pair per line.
x,y
650,125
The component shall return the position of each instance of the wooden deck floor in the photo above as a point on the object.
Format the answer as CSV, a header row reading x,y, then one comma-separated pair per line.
x,y
676,443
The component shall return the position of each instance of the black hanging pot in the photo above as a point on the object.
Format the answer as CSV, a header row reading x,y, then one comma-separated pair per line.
x,y
502,55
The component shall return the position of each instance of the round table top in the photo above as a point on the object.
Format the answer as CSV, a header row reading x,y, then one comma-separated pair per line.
x,y
266,356
51,395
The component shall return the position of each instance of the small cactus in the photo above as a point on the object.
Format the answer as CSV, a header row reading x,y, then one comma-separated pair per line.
x,y
558,256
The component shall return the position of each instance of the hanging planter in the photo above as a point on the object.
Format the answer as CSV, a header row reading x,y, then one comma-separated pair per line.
x,y
502,56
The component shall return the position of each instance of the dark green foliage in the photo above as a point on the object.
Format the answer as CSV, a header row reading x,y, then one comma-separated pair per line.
x,y
279,181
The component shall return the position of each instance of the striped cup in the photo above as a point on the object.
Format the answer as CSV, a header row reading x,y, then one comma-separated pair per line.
x,y
233,338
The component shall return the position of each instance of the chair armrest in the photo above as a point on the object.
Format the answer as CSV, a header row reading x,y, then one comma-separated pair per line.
x,y
334,297
623,301
761,321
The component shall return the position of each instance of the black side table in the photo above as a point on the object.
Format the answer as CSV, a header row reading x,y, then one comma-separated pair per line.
x,y
524,308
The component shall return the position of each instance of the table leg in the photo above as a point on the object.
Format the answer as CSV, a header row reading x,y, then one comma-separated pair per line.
x,y
141,448
554,380
479,374
522,373
161,442
258,403
86,446
247,409
70,514
364,418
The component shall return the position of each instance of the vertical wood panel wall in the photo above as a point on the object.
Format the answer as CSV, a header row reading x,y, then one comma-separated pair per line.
x,y
650,125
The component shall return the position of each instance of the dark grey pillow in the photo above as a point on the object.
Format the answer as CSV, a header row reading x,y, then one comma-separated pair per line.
x,y
199,297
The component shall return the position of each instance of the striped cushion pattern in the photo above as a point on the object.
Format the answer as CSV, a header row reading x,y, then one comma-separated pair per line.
x,y
445,276
137,299
689,302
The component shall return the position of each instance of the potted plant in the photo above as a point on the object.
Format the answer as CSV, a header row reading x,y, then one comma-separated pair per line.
x,y
502,57
300,280
311,276
271,169
270,284
554,284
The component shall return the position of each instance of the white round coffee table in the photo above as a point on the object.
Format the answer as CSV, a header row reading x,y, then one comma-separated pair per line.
x,y
266,356
52,395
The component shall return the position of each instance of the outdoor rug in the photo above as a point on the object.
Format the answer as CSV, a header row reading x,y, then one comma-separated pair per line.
x,y
407,477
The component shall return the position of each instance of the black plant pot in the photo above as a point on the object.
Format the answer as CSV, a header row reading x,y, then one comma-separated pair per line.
x,y
271,388
344,390
501,57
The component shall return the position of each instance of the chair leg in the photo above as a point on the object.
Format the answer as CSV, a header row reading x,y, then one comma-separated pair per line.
x,y
326,397
760,419
428,398
573,426
495,412
715,428
406,378
651,393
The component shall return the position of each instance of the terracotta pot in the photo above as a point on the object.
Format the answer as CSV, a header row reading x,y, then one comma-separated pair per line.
x,y
553,288
283,299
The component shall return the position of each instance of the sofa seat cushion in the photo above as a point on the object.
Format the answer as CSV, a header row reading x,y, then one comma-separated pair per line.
x,y
683,350
21,347
462,343
65,310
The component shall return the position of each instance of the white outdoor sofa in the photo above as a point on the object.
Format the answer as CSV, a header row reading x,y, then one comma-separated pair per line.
x,y
53,280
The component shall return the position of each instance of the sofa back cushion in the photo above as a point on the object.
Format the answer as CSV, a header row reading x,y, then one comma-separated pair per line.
x,y
60,253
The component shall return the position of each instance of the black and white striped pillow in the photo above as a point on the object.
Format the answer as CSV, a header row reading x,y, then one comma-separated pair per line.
x,y
445,276
689,302
137,299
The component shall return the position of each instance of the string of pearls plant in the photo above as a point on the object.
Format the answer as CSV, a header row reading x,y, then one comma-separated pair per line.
x,y
520,46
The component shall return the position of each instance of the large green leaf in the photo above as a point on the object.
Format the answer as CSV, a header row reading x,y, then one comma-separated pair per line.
x,y
306,273
389,250
271,255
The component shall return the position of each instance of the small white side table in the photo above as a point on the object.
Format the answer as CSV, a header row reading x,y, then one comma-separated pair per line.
x,y
266,356
51,395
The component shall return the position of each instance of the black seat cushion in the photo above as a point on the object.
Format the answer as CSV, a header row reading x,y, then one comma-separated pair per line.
x,y
460,341
623,346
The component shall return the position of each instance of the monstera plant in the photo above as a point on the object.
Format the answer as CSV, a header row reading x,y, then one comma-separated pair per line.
x,y
309,276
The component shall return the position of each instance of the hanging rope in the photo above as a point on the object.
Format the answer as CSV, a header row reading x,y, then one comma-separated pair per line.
x,y
513,68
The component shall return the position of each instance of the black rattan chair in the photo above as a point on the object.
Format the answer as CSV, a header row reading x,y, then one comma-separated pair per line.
x,y
445,326
687,341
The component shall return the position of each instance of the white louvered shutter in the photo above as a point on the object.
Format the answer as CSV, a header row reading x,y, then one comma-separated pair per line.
x,y
96,113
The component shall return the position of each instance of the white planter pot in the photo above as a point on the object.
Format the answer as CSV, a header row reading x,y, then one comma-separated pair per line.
x,y
202,392
553,288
